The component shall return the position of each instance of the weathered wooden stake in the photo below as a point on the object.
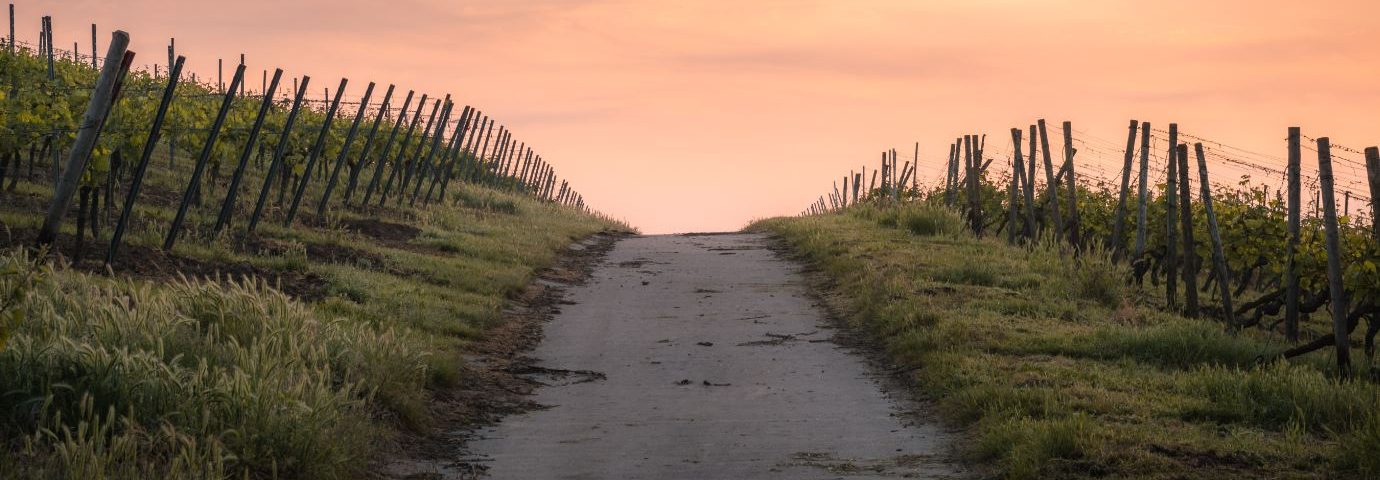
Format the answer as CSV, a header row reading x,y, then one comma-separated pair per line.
x,y
1142,189
1219,261
1053,186
1190,256
96,111
1117,241
382,163
1291,274
344,156
228,206
368,145
1075,225
284,138
138,176
194,183
315,153
1170,211
1336,289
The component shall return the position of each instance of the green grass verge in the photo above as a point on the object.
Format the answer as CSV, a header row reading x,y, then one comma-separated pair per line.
x,y
153,375
1058,369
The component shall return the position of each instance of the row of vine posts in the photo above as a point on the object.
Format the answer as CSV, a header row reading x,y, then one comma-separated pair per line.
x,y
476,150
1028,219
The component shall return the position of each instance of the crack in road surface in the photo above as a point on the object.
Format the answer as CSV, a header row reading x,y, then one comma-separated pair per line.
x,y
649,377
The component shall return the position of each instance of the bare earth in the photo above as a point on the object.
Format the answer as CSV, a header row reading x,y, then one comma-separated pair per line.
x,y
702,357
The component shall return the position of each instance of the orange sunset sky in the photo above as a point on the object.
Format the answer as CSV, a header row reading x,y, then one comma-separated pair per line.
x,y
702,115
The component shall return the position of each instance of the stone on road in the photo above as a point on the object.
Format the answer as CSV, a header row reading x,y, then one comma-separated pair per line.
x,y
704,357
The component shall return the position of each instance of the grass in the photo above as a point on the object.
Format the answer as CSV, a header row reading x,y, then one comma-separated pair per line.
x,y
308,367
1059,369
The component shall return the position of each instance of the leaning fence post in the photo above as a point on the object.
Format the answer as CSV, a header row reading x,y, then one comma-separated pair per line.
x,y
1119,226
1291,274
344,151
382,162
96,110
1219,260
228,205
1053,186
195,182
149,144
314,154
368,144
284,138
1334,258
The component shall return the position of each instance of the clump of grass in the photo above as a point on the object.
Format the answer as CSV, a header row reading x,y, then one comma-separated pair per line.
x,y
120,379
926,220
1027,447
1278,396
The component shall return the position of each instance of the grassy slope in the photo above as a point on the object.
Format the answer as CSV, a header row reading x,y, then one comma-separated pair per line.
x,y
1060,371
144,374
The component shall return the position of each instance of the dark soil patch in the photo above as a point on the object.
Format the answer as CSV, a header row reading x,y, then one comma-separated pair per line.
x,y
147,263
317,252
388,232
496,379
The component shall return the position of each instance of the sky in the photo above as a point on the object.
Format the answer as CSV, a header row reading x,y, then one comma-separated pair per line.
x,y
681,116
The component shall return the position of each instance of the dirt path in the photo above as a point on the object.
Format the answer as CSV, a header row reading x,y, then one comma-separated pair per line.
x,y
703,357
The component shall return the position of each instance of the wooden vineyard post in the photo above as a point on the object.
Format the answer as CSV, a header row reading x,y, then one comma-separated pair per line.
x,y
968,172
228,206
94,66
1291,274
195,182
344,156
480,164
284,138
1336,289
411,164
381,163
975,184
1031,166
457,154
12,30
139,169
1190,263
1373,180
1017,172
951,175
315,153
1117,242
1171,286
402,152
1075,235
1141,190
1053,180
1011,197
425,167
96,111
1027,187
368,143
1219,261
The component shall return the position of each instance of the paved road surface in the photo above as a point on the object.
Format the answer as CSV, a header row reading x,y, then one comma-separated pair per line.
x,y
702,357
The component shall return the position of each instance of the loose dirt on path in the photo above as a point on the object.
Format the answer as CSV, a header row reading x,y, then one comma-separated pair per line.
x,y
697,357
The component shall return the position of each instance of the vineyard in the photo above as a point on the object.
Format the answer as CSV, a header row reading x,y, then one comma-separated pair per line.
x,y
306,272
1270,262
1219,322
